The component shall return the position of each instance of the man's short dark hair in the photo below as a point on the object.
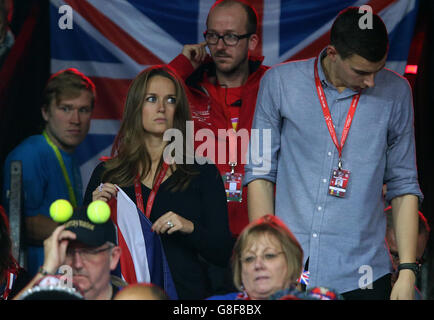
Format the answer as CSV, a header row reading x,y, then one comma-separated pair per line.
x,y
349,38
252,16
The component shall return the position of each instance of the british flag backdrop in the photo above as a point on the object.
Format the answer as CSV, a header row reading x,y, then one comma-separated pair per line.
x,y
111,41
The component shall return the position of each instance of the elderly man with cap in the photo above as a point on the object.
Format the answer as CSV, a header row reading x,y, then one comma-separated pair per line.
x,y
90,250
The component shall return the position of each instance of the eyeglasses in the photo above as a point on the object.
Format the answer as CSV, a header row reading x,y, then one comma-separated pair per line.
x,y
266,257
229,39
85,253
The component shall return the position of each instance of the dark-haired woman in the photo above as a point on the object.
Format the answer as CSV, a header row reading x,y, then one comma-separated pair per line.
x,y
189,210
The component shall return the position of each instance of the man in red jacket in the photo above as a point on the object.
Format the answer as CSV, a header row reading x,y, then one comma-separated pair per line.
x,y
222,90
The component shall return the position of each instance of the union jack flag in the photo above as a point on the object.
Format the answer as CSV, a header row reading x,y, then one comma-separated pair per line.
x,y
304,278
111,41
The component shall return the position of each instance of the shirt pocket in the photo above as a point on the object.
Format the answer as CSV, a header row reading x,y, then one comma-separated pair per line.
x,y
367,139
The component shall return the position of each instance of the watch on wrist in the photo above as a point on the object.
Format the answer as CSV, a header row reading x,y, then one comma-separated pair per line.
x,y
415,267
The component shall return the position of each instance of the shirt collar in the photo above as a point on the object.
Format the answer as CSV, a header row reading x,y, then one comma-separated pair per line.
x,y
325,83
321,73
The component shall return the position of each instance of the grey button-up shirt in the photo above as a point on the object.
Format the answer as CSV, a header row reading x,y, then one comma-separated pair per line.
x,y
343,237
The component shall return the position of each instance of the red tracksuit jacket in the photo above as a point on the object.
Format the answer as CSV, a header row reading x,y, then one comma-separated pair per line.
x,y
208,111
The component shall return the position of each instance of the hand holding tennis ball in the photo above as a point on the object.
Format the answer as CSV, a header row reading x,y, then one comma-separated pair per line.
x,y
98,211
61,210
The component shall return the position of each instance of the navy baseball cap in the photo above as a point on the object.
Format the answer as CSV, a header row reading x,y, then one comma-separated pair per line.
x,y
89,233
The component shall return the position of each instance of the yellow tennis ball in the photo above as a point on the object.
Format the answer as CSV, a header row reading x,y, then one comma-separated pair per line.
x,y
98,211
61,210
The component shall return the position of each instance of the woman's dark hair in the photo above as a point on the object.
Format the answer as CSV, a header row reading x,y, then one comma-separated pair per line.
x,y
348,37
130,155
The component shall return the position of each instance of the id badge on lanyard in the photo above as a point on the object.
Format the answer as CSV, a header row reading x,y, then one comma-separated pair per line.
x,y
233,185
339,177
339,181
233,181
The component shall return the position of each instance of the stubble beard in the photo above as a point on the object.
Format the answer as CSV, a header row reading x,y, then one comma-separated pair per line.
x,y
231,70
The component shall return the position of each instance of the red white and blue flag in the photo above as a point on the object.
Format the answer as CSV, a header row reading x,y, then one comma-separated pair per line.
x,y
111,41
142,259
304,278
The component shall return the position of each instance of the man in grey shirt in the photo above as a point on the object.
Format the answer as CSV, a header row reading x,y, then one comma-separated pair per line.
x,y
341,125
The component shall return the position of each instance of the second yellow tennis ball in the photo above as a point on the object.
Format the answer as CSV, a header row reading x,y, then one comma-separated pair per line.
x,y
61,210
98,211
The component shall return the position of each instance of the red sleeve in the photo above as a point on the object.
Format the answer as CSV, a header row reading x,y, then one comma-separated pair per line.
x,y
182,66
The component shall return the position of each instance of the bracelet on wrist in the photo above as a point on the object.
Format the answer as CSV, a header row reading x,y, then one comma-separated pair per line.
x,y
415,267
44,272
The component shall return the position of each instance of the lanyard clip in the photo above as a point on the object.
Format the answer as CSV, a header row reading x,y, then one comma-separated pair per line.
x,y
340,164
233,165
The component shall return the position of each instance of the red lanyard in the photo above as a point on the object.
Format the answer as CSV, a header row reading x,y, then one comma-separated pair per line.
x,y
151,198
328,117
